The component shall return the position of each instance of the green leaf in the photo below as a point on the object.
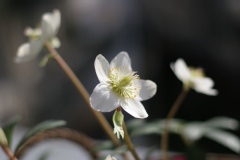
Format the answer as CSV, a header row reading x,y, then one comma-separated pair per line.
x,y
134,123
45,60
223,122
120,150
146,130
156,127
9,127
46,125
3,139
225,138
150,151
106,145
44,155
194,130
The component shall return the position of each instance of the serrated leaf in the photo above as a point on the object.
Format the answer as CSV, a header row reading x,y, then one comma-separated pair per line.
x,y
225,138
9,127
50,124
223,122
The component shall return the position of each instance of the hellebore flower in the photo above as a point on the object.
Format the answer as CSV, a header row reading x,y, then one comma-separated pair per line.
x,y
110,158
193,78
49,28
120,86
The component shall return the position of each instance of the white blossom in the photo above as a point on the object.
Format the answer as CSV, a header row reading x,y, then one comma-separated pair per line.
x,y
38,36
110,158
120,86
193,78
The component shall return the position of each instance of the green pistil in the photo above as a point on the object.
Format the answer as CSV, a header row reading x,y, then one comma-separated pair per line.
x,y
122,84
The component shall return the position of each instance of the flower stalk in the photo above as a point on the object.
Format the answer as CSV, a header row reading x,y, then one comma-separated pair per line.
x,y
170,116
101,119
8,152
129,142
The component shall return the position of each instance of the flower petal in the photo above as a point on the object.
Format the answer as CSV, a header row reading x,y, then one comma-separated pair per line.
x,y
55,42
148,89
135,108
181,70
50,24
102,68
103,99
110,158
28,51
204,85
122,60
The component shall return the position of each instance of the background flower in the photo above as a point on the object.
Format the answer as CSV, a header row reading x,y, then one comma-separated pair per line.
x,y
193,78
49,28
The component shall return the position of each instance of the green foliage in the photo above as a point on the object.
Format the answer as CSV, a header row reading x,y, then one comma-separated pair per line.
x,y
45,60
44,155
214,129
46,125
155,127
106,145
8,129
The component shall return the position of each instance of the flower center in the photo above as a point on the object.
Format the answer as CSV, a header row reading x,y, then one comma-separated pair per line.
x,y
197,72
124,82
33,34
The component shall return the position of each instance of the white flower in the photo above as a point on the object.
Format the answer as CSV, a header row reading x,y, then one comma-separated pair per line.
x,y
193,77
120,86
49,28
110,158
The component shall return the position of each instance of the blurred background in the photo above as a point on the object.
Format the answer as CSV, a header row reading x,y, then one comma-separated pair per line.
x,y
155,33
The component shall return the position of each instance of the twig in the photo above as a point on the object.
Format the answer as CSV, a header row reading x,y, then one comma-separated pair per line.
x,y
129,142
9,153
171,114
102,120
64,133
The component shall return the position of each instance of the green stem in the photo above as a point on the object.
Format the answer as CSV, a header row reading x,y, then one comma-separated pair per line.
x,y
170,116
102,120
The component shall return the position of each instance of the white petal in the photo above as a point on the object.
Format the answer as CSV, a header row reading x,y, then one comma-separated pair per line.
x,y
55,42
148,89
32,32
181,70
122,60
103,99
135,108
102,68
50,24
28,31
110,158
28,51
204,85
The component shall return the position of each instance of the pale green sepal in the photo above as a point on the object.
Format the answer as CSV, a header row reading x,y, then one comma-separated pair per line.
x,y
118,121
45,60
3,139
